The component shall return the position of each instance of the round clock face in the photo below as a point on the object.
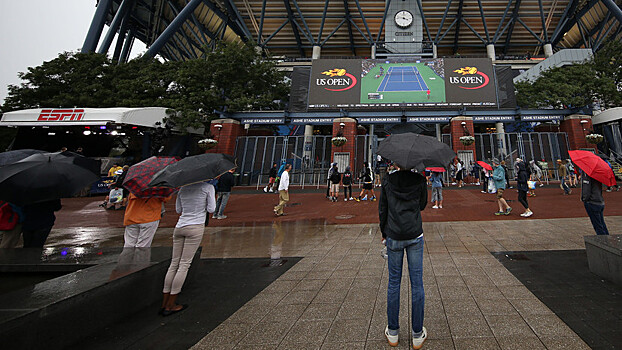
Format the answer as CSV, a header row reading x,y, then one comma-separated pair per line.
x,y
403,19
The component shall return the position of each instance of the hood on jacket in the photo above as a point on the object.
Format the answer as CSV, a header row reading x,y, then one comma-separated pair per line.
x,y
404,184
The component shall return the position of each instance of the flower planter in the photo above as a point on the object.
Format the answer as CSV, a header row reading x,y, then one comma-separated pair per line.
x,y
594,138
339,141
206,144
467,140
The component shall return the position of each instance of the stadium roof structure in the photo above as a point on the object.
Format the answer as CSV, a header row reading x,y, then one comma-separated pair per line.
x,y
184,29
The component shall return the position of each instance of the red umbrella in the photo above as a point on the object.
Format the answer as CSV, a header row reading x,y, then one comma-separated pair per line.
x,y
139,175
484,165
436,169
593,166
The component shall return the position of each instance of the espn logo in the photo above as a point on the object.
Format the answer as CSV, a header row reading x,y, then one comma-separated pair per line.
x,y
61,114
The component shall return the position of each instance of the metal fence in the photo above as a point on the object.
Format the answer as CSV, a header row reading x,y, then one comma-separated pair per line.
x,y
545,147
256,154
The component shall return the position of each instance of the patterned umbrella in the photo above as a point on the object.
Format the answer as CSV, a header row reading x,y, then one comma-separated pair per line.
x,y
139,175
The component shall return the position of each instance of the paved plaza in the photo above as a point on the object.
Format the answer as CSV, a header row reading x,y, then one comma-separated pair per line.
x,y
335,297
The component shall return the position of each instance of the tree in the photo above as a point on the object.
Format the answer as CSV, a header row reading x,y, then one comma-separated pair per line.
x,y
232,78
71,79
579,85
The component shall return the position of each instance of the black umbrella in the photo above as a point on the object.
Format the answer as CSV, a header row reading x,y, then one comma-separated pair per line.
x,y
17,155
414,151
44,176
193,169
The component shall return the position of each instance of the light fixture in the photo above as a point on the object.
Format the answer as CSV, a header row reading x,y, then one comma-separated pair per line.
x,y
86,132
463,123
114,133
343,125
218,126
583,121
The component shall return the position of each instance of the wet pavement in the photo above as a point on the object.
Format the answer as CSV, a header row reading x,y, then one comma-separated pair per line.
x,y
335,297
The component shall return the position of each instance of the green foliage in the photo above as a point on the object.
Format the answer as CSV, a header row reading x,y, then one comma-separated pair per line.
x,y
579,85
233,77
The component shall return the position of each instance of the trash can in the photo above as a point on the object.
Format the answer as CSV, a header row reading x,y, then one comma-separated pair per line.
x,y
245,179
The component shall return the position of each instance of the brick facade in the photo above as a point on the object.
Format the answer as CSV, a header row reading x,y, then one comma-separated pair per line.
x,y
576,131
226,136
349,132
457,130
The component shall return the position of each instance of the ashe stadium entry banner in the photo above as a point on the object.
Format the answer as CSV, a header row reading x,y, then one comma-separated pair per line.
x,y
402,83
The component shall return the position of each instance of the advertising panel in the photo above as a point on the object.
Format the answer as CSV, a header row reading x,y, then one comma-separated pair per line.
x,y
402,83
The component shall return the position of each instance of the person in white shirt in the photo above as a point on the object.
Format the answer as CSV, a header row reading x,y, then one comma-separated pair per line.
x,y
193,203
283,193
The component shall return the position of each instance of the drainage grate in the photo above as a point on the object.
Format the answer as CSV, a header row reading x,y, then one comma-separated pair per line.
x,y
275,263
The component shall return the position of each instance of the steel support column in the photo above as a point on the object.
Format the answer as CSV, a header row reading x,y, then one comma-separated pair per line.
x,y
615,9
349,20
122,11
127,47
292,22
458,21
172,28
511,28
97,26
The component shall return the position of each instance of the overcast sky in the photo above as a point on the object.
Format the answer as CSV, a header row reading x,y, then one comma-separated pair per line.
x,y
34,31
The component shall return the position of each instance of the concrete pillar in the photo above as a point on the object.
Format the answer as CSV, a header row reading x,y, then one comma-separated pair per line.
x,y
373,52
226,132
370,156
577,127
308,144
349,131
434,50
501,140
490,51
317,50
458,130
437,128
548,50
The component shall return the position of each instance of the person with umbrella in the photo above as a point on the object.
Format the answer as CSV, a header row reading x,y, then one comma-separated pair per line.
x,y
145,204
39,219
594,173
194,202
403,196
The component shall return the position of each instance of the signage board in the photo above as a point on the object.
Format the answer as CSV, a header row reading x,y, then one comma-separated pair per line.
x,y
493,118
404,83
378,120
428,119
263,120
539,118
312,121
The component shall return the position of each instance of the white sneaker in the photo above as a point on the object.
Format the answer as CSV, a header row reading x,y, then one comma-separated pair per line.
x,y
418,342
351,198
214,216
271,191
345,199
541,185
523,214
529,214
440,206
222,217
435,207
265,190
392,339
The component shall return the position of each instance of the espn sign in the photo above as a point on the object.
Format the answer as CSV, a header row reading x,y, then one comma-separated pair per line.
x,y
61,115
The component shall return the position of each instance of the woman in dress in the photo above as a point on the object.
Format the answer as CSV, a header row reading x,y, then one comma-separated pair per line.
x,y
194,202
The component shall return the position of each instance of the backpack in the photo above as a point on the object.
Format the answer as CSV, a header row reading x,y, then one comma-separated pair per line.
x,y
8,217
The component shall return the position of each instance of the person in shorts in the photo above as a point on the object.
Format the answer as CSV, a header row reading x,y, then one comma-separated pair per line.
x,y
272,179
368,184
498,176
335,179
437,189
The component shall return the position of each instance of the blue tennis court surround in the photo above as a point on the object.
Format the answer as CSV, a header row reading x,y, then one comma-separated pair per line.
x,y
405,78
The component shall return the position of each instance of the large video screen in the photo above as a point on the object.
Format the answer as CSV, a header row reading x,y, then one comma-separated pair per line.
x,y
402,83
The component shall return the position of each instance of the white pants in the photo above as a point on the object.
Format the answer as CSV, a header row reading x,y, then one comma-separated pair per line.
x,y
186,241
140,235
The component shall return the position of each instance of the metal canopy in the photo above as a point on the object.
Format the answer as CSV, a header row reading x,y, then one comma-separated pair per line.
x,y
291,28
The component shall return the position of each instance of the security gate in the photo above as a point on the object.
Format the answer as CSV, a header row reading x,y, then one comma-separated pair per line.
x,y
256,154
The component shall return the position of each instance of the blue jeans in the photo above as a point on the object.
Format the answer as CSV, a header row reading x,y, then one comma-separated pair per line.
x,y
414,254
221,202
564,186
595,212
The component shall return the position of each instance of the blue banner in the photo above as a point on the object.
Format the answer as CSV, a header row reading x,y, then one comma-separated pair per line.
x,y
102,186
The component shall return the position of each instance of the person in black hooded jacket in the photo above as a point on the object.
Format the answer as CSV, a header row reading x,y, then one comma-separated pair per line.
x,y
403,196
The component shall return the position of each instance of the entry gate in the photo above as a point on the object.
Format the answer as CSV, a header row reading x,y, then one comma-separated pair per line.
x,y
256,154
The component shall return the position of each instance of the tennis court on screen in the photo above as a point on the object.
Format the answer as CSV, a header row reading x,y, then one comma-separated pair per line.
x,y
405,78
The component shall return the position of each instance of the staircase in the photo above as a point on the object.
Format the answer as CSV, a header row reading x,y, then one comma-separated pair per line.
x,y
560,58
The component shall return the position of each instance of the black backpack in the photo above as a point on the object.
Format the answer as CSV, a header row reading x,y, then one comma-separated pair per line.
x,y
335,177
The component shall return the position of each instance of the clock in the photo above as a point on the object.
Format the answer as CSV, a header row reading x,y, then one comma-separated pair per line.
x,y
403,19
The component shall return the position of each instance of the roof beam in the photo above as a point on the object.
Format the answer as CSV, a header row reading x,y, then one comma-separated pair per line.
x,y
615,9
238,19
544,31
425,23
263,44
290,16
511,27
498,32
306,31
571,21
358,5
263,13
384,18
97,26
458,21
172,28
481,11
440,27
349,20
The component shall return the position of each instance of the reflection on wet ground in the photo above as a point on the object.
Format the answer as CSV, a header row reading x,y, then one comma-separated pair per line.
x,y
335,297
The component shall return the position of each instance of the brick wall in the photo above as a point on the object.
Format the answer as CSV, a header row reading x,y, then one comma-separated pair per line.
x,y
349,131
226,136
576,131
457,130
